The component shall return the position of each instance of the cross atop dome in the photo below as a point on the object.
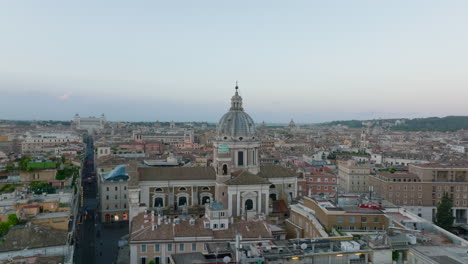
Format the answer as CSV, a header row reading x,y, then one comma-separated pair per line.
x,y
236,101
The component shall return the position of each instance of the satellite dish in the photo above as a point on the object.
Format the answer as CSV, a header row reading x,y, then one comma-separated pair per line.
x,y
226,259
303,246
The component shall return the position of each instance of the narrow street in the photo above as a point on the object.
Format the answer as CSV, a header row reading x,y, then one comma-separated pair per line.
x,y
85,251
96,243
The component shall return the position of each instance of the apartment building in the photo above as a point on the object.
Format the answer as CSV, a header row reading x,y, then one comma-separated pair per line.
x,y
421,189
316,217
113,192
48,141
353,176
47,175
320,181
155,237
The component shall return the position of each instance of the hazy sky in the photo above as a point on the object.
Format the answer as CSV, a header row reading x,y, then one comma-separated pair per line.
x,y
179,60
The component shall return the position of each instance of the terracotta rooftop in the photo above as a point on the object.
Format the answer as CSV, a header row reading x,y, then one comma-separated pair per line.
x,y
142,231
455,165
177,173
247,178
34,236
397,175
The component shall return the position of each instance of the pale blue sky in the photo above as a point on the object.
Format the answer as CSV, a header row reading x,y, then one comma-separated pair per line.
x,y
162,60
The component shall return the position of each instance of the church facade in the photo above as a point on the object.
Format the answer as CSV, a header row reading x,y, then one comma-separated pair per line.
x,y
236,179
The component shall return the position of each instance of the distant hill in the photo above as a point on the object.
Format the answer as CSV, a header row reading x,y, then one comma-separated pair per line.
x,y
348,123
359,123
441,124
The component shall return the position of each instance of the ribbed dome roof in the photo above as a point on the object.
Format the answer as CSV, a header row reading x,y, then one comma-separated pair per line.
x,y
236,123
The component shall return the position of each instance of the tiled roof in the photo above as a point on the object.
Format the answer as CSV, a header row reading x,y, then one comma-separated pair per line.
x,y
397,175
457,165
34,236
142,231
178,173
247,178
275,171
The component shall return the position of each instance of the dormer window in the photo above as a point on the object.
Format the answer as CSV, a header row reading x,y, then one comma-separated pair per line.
x,y
241,138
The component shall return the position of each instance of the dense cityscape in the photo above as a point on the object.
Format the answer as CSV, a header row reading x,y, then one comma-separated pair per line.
x,y
233,132
239,191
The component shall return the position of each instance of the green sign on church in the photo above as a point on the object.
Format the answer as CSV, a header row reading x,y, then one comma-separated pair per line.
x,y
223,148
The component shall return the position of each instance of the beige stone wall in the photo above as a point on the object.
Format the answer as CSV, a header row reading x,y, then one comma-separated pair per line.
x,y
440,174
332,219
60,223
38,175
353,178
320,213
307,228
52,206
164,252
420,193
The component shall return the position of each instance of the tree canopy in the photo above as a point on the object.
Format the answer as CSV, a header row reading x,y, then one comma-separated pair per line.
x,y
444,217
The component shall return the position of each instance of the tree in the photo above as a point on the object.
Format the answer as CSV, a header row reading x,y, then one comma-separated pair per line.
x,y
152,262
444,217
12,219
4,227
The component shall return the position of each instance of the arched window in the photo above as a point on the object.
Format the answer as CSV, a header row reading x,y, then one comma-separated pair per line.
x,y
159,189
182,189
225,169
182,200
273,196
248,204
158,202
205,199
206,188
272,186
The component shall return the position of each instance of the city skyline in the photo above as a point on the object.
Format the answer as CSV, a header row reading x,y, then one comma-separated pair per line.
x,y
312,62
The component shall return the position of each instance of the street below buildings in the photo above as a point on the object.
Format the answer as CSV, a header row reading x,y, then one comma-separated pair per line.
x,y
96,243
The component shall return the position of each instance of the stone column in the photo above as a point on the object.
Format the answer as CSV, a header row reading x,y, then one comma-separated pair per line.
x,y
259,195
229,203
238,203
193,197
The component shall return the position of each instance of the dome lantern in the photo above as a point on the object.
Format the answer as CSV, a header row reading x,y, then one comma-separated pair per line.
x,y
236,123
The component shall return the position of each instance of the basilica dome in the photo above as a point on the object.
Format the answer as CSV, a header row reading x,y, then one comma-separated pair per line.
x,y
236,123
